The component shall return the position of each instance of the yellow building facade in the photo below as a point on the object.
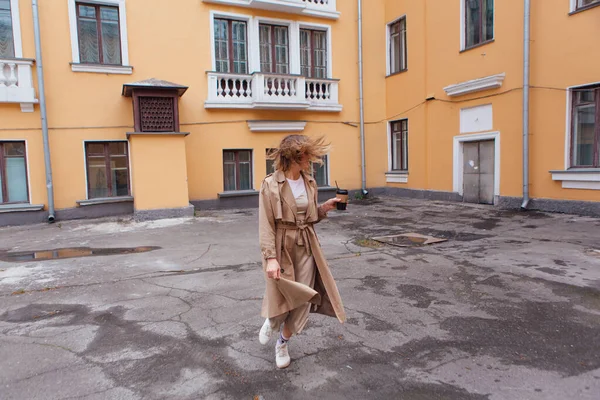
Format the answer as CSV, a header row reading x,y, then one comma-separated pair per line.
x,y
156,110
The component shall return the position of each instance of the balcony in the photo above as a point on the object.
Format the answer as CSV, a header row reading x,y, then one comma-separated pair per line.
x,y
16,83
315,8
272,91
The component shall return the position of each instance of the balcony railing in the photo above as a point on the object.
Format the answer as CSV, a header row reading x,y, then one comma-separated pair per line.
x,y
317,8
16,83
271,91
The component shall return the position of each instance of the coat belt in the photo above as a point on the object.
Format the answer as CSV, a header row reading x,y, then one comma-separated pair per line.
x,y
301,227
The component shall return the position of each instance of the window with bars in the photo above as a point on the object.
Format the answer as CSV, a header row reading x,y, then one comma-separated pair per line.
x,y
7,44
99,34
274,49
231,46
398,50
399,147
237,170
585,130
313,53
479,22
586,3
13,173
107,169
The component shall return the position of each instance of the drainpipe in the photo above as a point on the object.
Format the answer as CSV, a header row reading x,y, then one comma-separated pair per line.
x,y
361,102
44,118
526,53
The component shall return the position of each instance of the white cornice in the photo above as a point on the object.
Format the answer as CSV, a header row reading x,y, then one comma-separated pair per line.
x,y
475,85
276,126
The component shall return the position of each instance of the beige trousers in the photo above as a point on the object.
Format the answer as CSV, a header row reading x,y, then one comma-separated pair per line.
x,y
305,271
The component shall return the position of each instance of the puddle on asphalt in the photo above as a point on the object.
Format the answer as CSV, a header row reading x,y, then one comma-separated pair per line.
x,y
71,252
409,239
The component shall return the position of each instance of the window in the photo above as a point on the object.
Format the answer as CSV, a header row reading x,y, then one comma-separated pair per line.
x,y
321,172
585,136
270,163
237,169
586,3
479,22
399,147
99,34
274,49
107,169
231,46
7,45
13,173
397,50
313,53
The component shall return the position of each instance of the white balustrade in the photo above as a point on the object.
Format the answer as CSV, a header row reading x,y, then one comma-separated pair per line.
x,y
315,8
275,91
16,83
322,92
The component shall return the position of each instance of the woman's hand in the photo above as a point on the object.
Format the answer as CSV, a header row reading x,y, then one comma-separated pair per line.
x,y
273,269
330,204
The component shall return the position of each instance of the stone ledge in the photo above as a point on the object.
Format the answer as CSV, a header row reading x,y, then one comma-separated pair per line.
x,y
7,208
104,200
238,193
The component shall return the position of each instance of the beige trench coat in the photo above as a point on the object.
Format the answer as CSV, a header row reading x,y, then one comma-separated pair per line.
x,y
279,232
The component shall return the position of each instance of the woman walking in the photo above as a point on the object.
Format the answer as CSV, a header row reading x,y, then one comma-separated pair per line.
x,y
298,279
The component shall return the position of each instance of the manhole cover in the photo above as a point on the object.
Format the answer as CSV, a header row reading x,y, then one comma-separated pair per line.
x,y
409,240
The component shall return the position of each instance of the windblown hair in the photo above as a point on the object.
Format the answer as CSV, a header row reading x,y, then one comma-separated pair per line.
x,y
293,147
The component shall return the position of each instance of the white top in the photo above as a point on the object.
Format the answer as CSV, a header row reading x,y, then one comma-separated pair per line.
x,y
297,186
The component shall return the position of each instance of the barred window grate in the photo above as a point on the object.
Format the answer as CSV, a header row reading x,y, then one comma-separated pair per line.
x,y
157,114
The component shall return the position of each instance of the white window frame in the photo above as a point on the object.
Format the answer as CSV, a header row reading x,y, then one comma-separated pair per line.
x,y
327,172
458,159
16,28
573,177
27,165
294,39
573,6
252,170
85,166
76,65
394,176
323,28
388,44
249,42
463,26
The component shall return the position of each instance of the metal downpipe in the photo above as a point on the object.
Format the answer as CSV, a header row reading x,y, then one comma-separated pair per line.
x,y
361,102
44,118
526,65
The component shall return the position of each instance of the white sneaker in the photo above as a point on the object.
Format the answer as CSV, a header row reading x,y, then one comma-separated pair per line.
x,y
282,357
265,332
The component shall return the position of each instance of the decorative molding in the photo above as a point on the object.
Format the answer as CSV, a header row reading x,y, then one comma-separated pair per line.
x,y
396,177
102,69
475,85
75,33
578,178
276,126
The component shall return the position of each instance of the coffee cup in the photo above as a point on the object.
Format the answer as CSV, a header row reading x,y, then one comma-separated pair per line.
x,y
342,194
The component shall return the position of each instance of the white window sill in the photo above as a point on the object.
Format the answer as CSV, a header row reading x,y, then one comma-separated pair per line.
x,y
396,177
6,208
104,200
578,178
238,193
102,69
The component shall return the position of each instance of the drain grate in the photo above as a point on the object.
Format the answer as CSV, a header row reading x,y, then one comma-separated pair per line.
x,y
409,240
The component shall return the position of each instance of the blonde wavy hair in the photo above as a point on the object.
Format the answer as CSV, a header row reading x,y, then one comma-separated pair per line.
x,y
293,147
